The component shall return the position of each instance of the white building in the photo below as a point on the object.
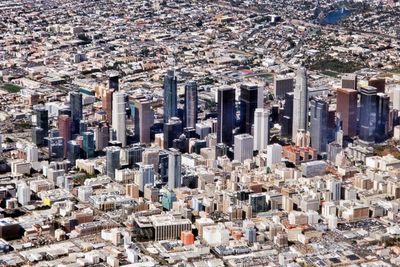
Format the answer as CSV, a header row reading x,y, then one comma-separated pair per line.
x,y
396,98
32,153
261,129
243,147
215,235
23,194
119,117
274,155
335,187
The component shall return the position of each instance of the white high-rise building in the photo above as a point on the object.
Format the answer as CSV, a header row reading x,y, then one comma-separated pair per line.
x,y
274,155
119,117
1,143
396,98
23,194
32,153
243,147
334,186
261,129
300,103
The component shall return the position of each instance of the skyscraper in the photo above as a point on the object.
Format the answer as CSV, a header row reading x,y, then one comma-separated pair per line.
x,y
88,145
248,104
243,147
144,119
368,113
112,160
64,126
319,124
56,148
300,103
261,129
170,95
286,119
106,103
146,176
396,98
134,154
282,85
274,155
74,152
226,115
42,119
76,110
174,169
113,81
346,105
382,123
119,117
101,136
349,81
172,130
191,103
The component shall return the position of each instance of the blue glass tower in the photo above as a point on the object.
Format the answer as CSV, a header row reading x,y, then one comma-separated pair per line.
x,y
368,114
170,95
88,144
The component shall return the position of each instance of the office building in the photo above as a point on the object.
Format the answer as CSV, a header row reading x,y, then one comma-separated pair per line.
x,y
382,120
75,99
151,156
144,119
113,81
112,160
191,103
282,86
248,103
396,97
319,124
106,103
174,169
134,154
172,130
300,103
368,114
286,118
258,202
32,152
146,176
349,81
74,152
335,187
56,148
23,194
243,147
274,155
101,136
88,145
119,118
170,95
226,115
261,129
38,136
64,126
41,116
346,106
378,83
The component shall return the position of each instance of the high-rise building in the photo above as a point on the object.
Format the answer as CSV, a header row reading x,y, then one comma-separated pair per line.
x,y
274,155
134,154
75,99
174,169
101,136
88,145
23,194
346,105
113,81
283,85
119,117
163,161
226,115
243,147
191,103
112,160
74,152
106,103
172,130
261,129
248,104
349,81
144,119
319,124
151,156
42,119
300,103
56,148
32,152
368,113
396,98
170,95
38,136
334,186
382,122
83,126
286,119
64,126
146,176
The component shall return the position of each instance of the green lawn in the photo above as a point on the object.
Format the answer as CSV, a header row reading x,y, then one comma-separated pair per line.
x,y
11,88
